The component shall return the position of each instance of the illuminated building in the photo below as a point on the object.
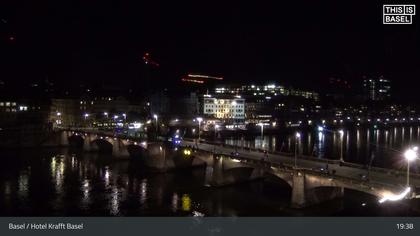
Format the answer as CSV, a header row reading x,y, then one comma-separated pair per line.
x,y
8,106
268,90
270,102
229,110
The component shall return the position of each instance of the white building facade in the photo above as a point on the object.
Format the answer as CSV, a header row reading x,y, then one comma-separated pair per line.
x,y
228,110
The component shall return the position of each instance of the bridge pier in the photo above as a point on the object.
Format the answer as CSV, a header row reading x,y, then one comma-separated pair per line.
x,y
119,149
298,190
312,190
215,173
225,170
88,144
64,138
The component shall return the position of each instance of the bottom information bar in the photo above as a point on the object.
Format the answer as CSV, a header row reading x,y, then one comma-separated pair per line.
x,y
186,226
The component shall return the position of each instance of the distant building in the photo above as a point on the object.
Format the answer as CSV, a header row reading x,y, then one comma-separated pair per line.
x,y
98,111
229,110
23,112
376,89
268,90
269,103
66,112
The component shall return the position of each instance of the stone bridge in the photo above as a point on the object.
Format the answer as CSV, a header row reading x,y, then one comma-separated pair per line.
x,y
308,186
160,156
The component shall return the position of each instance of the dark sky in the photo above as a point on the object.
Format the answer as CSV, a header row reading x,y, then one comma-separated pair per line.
x,y
301,43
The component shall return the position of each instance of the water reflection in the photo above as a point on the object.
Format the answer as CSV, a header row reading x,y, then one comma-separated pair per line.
x,y
115,203
23,184
85,188
356,145
175,200
143,191
186,202
107,174
321,145
62,183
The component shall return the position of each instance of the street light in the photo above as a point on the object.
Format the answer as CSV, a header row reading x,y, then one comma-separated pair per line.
x,y
410,155
297,137
106,114
58,120
341,132
199,119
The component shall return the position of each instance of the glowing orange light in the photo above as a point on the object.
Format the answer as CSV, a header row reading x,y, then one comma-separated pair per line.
x,y
204,76
192,81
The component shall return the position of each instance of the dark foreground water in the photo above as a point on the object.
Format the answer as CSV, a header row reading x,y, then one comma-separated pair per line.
x,y
63,182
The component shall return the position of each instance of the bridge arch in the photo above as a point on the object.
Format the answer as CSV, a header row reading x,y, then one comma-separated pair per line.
x,y
76,140
286,177
103,145
313,182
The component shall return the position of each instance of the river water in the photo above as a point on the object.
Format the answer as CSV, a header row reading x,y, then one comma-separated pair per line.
x,y
69,182
378,147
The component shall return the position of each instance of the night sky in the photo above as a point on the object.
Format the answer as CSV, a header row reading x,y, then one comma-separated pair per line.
x,y
301,44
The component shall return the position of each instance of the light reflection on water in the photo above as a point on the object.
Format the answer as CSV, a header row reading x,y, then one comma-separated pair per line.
x,y
85,188
23,182
359,145
143,192
115,202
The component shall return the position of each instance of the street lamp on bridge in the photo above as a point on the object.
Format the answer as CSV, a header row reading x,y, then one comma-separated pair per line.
x,y
410,155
